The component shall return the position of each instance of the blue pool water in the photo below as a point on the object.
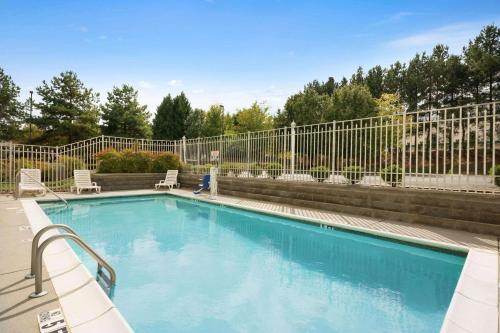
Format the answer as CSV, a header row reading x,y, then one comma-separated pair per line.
x,y
187,266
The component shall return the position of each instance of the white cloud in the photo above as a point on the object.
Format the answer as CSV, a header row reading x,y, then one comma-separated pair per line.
x,y
145,84
175,83
455,36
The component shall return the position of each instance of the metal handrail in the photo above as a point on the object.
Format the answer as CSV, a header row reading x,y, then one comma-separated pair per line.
x,y
38,266
36,239
42,184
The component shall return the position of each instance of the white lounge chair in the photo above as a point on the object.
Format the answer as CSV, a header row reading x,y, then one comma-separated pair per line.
x,y
31,181
170,180
83,182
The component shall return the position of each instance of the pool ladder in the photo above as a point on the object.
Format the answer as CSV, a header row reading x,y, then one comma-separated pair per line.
x,y
37,252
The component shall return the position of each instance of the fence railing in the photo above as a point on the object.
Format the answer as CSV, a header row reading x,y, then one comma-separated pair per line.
x,y
453,148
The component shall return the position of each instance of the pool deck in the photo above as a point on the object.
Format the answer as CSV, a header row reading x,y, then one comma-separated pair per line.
x,y
474,306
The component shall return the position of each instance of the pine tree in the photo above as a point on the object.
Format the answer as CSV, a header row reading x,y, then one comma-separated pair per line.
x,y
69,110
11,111
122,115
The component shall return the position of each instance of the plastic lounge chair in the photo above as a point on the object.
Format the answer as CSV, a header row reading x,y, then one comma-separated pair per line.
x,y
83,182
205,184
170,180
31,181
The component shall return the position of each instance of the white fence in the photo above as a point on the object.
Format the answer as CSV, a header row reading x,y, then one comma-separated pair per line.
x,y
447,149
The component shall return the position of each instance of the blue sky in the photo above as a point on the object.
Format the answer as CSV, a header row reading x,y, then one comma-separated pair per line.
x,y
222,51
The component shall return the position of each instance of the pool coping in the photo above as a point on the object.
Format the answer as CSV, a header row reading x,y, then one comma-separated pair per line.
x,y
473,308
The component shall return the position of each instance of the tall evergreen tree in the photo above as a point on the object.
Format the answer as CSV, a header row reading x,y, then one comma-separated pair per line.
x,y
10,108
358,77
165,123
194,123
122,115
69,110
351,102
375,81
394,78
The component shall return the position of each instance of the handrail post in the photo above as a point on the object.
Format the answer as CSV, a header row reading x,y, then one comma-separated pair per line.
x,y
39,292
36,239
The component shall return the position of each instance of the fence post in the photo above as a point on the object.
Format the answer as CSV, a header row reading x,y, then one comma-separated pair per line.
x,y
248,151
292,148
334,134
403,159
184,148
198,151
11,167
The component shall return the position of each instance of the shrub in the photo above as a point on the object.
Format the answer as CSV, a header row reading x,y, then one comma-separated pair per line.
x,y
320,172
496,171
353,173
136,162
166,161
201,169
392,174
109,161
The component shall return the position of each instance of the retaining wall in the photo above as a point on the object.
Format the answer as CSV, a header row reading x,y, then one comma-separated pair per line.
x,y
472,212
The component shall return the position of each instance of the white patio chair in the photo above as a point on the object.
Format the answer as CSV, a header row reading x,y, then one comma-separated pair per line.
x,y
31,181
83,182
170,180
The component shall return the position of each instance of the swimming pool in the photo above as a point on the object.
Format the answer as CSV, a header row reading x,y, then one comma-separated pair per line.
x,y
188,266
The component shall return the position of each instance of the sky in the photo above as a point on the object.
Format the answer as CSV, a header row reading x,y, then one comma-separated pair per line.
x,y
224,51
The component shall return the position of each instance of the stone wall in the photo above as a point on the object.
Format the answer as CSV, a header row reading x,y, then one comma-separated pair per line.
x,y
464,211
127,181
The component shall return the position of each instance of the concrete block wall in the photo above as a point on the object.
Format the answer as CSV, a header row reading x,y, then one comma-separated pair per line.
x,y
479,213
127,181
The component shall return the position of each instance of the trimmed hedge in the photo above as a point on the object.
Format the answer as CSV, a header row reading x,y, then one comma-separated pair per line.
x,y
496,171
128,161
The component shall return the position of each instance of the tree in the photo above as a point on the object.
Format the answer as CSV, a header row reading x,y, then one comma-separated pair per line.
x,y
214,121
394,78
170,119
388,104
69,110
194,123
307,107
122,115
456,81
351,102
182,109
165,125
254,118
483,58
11,110
375,81
358,77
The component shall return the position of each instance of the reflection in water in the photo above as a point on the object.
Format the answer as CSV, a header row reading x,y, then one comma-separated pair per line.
x,y
184,266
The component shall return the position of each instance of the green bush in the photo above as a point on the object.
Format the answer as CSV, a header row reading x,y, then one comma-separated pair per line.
x,y
110,161
136,162
496,171
392,174
201,169
166,161
353,173
320,172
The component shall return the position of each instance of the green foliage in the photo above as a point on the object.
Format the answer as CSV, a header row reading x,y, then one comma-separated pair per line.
x,y
392,174
171,118
109,161
307,107
254,118
353,173
350,102
128,161
69,110
214,121
375,81
122,115
194,124
273,169
201,169
166,161
320,172
496,171
11,110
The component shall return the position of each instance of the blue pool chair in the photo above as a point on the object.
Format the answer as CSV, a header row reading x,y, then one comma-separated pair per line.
x,y
205,184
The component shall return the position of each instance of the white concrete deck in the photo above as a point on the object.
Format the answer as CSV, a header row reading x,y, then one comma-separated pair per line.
x,y
474,307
